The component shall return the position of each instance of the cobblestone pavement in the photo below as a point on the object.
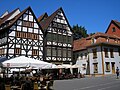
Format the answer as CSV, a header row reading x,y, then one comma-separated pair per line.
x,y
108,82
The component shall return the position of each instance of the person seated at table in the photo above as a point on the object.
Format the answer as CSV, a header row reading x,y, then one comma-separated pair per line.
x,y
50,85
42,82
2,84
27,85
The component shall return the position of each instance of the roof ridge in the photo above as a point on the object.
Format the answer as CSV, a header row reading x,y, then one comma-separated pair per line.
x,y
11,12
117,23
2,15
16,17
40,18
7,16
49,19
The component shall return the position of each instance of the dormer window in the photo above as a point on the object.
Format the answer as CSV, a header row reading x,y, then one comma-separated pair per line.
x,y
113,29
107,39
81,56
93,40
116,41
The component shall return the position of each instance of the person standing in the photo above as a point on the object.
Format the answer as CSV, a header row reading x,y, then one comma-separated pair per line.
x,y
117,72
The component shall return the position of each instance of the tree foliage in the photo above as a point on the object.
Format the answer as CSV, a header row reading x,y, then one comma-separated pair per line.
x,y
91,34
79,32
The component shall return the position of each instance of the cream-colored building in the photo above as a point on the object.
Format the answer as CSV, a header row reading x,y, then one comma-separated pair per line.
x,y
97,54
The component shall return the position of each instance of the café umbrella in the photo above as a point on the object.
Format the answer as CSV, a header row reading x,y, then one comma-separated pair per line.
x,y
23,61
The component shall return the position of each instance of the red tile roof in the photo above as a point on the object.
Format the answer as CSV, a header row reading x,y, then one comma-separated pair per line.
x,y
45,15
99,34
101,38
115,22
80,44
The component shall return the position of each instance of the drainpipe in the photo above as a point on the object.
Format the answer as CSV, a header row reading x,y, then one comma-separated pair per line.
x,y
88,65
102,60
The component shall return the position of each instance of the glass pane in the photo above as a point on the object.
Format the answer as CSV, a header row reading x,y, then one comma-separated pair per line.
x,y
59,52
54,51
48,51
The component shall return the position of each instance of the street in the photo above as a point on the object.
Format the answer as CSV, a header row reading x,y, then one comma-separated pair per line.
x,y
89,83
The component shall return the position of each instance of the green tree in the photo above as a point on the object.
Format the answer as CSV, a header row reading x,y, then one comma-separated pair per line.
x,y
91,34
79,32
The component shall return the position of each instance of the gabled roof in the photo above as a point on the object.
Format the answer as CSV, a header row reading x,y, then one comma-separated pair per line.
x,y
84,43
115,23
7,16
80,44
42,17
19,15
99,34
4,14
44,24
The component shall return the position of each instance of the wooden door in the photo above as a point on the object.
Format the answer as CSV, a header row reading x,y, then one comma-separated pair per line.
x,y
113,67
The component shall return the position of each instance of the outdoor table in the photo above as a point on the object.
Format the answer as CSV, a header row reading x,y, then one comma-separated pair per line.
x,y
15,87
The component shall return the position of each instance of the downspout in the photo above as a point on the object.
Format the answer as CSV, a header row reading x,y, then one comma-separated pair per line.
x,y
44,45
88,65
102,60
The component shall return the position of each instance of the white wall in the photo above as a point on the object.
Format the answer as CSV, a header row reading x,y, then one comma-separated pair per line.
x,y
96,60
99,59
82,61
116,59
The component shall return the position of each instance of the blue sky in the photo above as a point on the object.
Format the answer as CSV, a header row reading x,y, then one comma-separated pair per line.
x,y
94,15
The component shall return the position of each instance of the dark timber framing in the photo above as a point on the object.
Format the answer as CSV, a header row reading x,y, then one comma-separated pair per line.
x,y
57,37
21,36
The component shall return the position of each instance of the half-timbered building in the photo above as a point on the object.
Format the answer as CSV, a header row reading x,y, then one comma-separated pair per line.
x,y
57,37
20,35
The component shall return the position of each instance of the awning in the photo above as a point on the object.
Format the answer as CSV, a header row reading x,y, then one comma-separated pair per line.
x,y
22,61
2,59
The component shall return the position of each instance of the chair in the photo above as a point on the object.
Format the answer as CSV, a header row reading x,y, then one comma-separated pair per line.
x,y
43,85
21,87
36,86
50,85
7,87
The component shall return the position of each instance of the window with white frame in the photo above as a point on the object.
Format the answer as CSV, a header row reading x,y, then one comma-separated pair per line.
x,y
113,29
111,53
85,55
95,67
84,66
119,51
106,52
94,53
81,56
107,66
